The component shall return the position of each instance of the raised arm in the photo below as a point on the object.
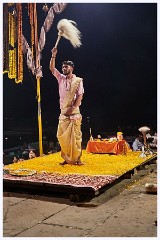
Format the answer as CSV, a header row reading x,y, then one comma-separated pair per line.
x,y
53,58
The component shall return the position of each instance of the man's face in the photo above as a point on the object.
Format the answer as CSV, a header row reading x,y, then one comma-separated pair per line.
x,y
140,138
66,69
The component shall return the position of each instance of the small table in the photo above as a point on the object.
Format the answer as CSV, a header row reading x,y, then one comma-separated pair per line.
x,y
120,147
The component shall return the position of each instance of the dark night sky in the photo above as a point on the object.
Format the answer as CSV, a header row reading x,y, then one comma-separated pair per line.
x,y
118,62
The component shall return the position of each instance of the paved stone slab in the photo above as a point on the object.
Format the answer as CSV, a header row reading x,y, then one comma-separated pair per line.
x,y
28,213
85,218
45,230
125,221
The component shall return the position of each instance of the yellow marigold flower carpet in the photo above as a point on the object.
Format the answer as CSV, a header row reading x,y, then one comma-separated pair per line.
x,y
94,164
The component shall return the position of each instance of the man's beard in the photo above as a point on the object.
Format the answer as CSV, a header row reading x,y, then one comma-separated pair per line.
x,y
67,73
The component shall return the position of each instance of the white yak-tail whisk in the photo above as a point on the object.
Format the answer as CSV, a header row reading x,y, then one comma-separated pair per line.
x,y
67,29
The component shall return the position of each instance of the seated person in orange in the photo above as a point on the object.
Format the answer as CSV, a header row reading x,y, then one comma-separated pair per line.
x,y
119,136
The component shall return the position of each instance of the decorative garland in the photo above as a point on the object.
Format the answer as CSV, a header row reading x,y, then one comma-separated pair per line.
x,y
31,19
19,47
12,50
12,64
5,40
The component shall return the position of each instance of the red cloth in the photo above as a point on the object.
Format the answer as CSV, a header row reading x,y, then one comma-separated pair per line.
x,y
107,147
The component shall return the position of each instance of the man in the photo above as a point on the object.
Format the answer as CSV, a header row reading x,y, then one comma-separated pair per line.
x,y
69,128
137,144
152,139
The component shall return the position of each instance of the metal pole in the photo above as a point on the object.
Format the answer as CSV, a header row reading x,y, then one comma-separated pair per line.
x,y
39,117
38,85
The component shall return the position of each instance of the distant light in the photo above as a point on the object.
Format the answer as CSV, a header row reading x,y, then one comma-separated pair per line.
x,y
6,138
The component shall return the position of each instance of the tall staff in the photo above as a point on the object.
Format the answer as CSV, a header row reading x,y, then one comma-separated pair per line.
x,y
38,83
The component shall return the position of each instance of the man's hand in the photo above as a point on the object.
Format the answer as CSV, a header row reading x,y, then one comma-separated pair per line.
x,y
54,52
69,111
52,61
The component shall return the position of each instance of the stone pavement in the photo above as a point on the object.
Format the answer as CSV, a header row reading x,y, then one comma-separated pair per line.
x,y
125,210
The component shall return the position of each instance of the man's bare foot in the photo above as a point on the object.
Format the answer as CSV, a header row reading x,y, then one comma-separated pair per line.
x,y
79,163
63,163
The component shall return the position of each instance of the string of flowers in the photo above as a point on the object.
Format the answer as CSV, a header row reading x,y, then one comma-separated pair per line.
x,y
12,52
31,19
12,29
19,47
5,40
12,64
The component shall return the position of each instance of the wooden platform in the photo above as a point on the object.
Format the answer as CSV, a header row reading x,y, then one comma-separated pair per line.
x,y
73,184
